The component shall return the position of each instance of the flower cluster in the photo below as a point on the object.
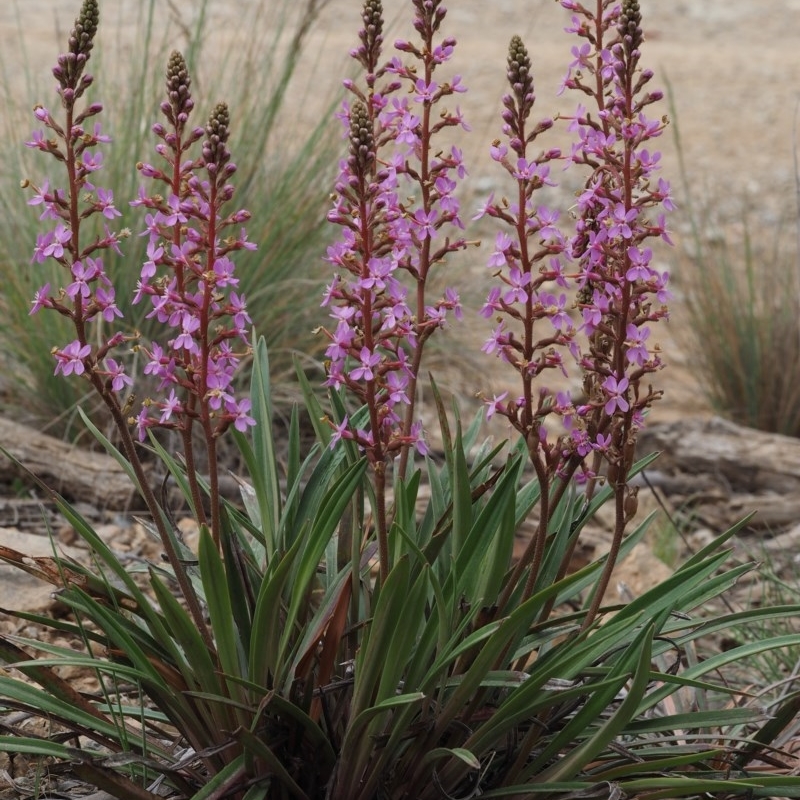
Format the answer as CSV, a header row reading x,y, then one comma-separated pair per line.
x,y
529,259
620,293
189,275
195,292
617,293
394,199
87,294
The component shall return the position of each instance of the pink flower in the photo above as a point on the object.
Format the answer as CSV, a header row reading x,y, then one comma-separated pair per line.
x,y
621,221
425,91
637,349
119,380
186,340
105,201
365,370
238,411
502,244
425,221
495,404
70,360
615,391
341,431
640,261
170,407
41,299
60,237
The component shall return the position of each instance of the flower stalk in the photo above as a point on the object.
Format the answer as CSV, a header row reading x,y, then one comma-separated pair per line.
x,y
393,198
193,295
603,264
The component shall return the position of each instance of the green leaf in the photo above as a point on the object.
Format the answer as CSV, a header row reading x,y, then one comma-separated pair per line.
x,y
387,619
215,583
43,704
323,525
713,720
484,559
38,747
264,649
264,471
460,753
462,498
232,774
719,660
576,759
197,666
766,736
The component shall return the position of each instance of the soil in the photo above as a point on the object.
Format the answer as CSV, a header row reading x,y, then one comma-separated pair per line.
x,y
732,72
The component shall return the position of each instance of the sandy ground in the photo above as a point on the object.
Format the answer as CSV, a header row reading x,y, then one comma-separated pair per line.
x,y
732,66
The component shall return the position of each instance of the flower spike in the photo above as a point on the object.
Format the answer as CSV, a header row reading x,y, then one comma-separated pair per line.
x,y
70,65
630,26
362,140
179,104
520,75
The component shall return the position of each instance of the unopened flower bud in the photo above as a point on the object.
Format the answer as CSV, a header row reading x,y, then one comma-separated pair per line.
x,y
630,25
520,75
215,153
178,91
631,504
372,15
362,142
81,40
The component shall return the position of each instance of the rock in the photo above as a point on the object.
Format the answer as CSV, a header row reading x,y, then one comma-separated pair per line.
x,y
640,571
18,589
72,471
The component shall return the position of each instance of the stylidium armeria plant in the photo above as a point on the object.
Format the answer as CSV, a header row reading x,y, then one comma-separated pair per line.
x,y
604,332
395,201
189,276
458,673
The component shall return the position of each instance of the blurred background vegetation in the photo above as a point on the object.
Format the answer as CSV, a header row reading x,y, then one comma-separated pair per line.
x,y
740,281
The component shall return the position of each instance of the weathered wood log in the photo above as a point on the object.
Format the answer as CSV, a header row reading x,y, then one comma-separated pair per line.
x,y
743,460
73,471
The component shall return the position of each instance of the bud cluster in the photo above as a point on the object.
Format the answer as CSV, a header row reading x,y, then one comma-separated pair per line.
x,y
179,104
69,69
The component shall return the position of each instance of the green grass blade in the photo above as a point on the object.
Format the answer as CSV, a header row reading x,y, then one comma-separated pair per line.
x,y
265,473
575,760
215,582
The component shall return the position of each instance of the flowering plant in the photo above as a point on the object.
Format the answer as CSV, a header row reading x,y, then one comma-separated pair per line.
x,y
338,634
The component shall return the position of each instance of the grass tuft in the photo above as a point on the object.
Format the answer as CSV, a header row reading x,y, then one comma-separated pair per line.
x,y
743,300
